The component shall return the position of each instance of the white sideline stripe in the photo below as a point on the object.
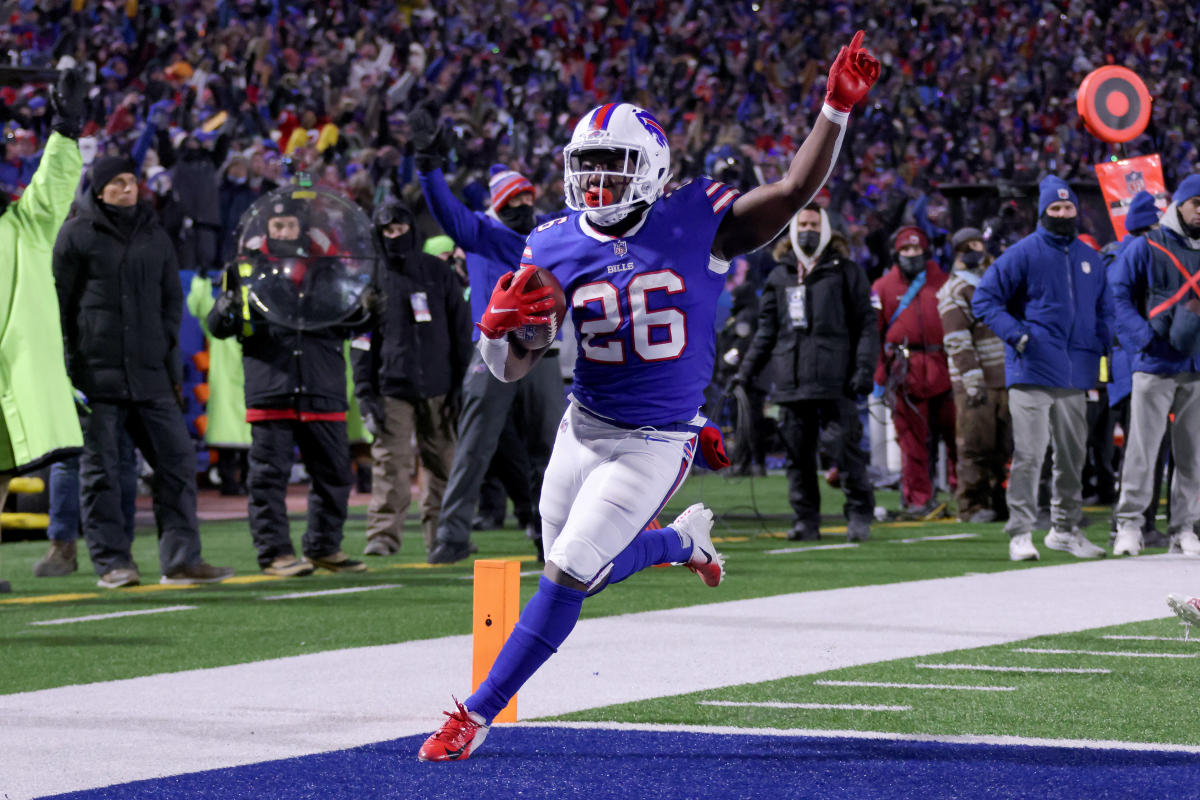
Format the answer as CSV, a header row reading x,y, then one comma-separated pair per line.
x,y
811,706
326,592
114,615
846,546
990,668
968,738
1123,653
887,685
945,538
1179,639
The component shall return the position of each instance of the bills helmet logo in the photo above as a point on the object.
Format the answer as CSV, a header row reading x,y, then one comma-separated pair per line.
x,y
914,239
1063,194
652,127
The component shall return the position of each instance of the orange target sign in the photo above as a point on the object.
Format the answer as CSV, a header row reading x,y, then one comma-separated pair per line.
x,y
1114,104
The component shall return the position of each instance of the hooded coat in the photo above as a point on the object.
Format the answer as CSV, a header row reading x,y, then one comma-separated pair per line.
x,y
1051,288
840,341
917,329
1162,336
38,422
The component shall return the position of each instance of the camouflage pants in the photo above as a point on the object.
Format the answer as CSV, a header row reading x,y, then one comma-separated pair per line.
x,y
984,438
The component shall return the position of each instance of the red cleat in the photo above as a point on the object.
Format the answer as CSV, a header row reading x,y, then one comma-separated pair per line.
x,y
456,739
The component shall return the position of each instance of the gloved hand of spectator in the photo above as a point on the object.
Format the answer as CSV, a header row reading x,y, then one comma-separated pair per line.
x,y
511,306
372,302
976,395
370,406
738,381
228,306
861,382
429,141
69,101
851,75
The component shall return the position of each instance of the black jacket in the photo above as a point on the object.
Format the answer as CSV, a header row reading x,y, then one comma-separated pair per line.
x,y
120,302
286,368
840,342
409,359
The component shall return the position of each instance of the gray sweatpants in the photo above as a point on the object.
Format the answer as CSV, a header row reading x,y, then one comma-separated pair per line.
x,y
1154,397
486,403
1044,415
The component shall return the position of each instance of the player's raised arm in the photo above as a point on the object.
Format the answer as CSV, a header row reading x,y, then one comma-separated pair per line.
x,y
758,215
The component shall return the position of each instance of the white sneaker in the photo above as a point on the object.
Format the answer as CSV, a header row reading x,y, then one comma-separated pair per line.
x,y
1186,608
696,523
1186,542
1129,542
1020,548
1073,542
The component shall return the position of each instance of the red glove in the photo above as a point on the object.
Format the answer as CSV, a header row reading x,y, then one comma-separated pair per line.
x,y
712,448
511,306
851,76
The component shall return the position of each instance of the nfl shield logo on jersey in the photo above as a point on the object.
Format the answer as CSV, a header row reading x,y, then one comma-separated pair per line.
x,y
620,248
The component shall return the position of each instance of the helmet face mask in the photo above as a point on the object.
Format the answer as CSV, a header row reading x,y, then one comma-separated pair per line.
x,y
618,159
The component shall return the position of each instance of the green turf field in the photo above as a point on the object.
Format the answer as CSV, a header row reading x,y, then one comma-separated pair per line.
x,y
1114,697
237,622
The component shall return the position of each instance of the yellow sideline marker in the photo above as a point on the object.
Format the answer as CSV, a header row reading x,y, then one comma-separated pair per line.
x,y
497,603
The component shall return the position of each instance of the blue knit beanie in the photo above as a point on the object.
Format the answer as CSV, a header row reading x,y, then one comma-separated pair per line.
x,y
1187,190
1142,212
1051,190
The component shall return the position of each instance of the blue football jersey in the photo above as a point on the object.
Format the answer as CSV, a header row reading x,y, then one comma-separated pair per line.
x,y
643,304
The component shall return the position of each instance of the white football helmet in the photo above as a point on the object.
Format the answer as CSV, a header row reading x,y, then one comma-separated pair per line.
x,y
618,157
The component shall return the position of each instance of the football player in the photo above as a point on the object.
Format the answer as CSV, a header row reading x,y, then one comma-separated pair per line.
x,y
641,272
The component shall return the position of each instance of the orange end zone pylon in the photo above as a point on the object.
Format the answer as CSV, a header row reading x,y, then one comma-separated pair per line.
x,y
497,604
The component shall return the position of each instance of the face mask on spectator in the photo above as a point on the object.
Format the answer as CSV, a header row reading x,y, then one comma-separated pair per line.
x,y
972,258
808,241
400,246
1059,226
912,266
518,218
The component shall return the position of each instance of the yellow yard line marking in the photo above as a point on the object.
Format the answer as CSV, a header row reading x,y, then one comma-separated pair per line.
x,y
46,598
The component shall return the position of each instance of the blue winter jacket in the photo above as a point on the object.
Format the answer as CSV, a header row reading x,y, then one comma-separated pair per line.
x,y
492,247
1053,289
1138,281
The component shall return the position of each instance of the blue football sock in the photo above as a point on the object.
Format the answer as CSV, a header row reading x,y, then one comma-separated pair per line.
x,y
661,546
547,620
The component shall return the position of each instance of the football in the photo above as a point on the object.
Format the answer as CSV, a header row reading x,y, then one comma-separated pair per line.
x,y
536,337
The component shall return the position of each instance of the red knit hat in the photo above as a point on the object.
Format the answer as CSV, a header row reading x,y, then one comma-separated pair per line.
x,y
910,234
505,184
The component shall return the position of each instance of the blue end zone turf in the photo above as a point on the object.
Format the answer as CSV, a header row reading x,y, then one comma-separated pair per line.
x,y
532,762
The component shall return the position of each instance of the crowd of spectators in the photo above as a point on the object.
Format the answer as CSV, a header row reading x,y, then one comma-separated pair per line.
x,y
219,101
974,93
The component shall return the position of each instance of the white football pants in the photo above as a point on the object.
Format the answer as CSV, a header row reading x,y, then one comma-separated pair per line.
x,y
603,485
